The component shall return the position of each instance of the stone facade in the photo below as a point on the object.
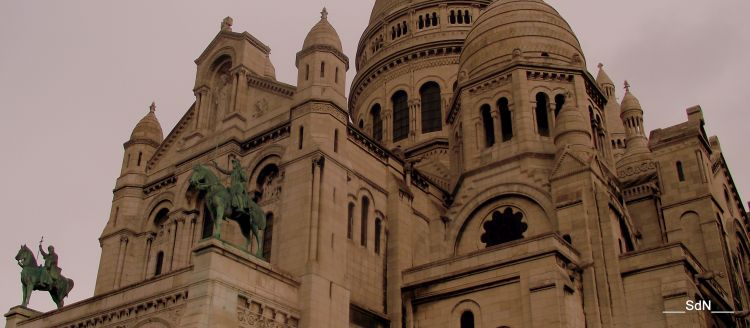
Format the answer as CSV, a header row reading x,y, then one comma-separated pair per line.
x,y
477,175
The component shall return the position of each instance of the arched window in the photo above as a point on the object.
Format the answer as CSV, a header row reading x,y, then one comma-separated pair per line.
x,y
680,171
434,19
159,263
336,77
452,17
350,222
460,18
489,126
559,102
506,120
301,136
431,109
377,123
428,21
307,72
406,29
322,69
378,228
503,227
393,32
365,212
400,116
268,237
421,22
467,17
140,156
161,216
542,121
467,319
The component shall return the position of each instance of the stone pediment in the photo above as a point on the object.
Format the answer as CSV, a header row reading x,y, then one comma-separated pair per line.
x,y
568,163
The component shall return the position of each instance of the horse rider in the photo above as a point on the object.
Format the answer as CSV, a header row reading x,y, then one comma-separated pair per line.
x,y
50,266
237,189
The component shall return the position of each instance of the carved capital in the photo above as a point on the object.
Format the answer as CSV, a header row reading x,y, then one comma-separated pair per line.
x,y
318,160
124,239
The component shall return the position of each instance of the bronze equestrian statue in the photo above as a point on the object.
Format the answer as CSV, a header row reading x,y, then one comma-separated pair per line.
x,y
43,278
231,203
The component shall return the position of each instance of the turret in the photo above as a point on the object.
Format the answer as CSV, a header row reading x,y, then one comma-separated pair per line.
x,y
612,113
635,134
146,137
124,221
571,130
322,65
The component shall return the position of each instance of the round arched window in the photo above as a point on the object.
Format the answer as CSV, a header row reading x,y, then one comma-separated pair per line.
x,y
503,227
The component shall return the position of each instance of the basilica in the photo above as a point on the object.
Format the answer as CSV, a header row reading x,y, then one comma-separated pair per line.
x,y
476,175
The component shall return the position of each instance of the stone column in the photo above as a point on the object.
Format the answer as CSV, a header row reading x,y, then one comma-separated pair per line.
x,y
177,249
414,118
202,107
388,126
317,170
193,238
121,260
147,255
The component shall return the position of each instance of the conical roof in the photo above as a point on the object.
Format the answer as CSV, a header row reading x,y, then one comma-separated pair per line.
x,y
323,33
602,78
148,128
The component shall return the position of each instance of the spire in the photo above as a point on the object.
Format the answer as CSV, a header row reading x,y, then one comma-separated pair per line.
x,y
632,118
152,108
627,86
602,79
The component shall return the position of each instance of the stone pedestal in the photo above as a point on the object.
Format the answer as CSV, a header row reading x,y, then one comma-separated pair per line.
x,y
18,314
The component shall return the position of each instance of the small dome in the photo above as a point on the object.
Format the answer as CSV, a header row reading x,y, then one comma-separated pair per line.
x,y
570,120
528,31
629,101
323,34
148,128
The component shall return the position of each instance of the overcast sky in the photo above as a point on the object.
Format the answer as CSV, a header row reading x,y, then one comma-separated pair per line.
x,y
76,76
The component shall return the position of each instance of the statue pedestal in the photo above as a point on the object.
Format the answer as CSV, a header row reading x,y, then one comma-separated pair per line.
x,y
18,314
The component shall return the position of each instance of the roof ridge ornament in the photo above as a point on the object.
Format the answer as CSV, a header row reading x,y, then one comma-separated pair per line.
x,y
627,86
324,14
226,24
152,108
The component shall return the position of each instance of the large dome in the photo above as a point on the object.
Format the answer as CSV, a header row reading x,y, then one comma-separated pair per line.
x,y
381,7
528,31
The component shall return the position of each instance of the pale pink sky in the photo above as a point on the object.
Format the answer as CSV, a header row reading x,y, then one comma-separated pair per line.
x,y
77,75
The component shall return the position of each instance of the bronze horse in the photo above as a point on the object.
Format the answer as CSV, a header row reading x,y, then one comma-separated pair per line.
x,y
218,202
31,278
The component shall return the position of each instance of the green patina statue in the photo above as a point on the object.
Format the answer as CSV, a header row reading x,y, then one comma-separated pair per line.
x,y
231,203
43,278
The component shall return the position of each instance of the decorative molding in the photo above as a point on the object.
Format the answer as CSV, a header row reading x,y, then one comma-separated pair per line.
x,y
549,76
269,136
171,138
272,86
595,94
252,313
163,183
490,84
373,147
636,169
175,300
323,48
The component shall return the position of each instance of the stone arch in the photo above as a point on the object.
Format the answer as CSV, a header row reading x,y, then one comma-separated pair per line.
x,y
463,306
467,233
499,94
432,78
260,166
163,200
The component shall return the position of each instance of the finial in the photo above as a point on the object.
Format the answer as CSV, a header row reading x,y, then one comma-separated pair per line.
x,y
152,108
627,86
324,13
226,24
600,65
